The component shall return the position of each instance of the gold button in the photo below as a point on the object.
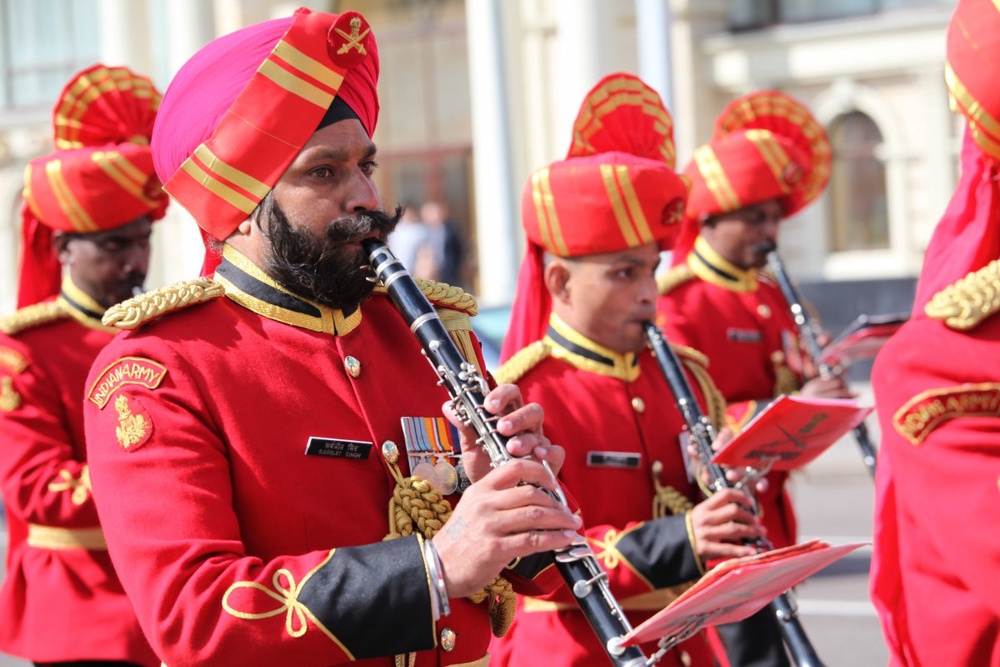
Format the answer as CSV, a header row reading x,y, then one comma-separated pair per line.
x,y
764,311
390,451
685,658
353,366
638,405
448,638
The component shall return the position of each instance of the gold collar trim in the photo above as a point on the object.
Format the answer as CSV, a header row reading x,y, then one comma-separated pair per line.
x,y
581,352
710,266
246,284
81,306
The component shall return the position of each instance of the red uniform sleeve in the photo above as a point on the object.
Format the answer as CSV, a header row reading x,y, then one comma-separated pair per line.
x,y
44,479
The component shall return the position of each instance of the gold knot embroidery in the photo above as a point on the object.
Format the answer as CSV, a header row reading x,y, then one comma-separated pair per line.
x,y
131,428
9,398
608,549
80,487
286,593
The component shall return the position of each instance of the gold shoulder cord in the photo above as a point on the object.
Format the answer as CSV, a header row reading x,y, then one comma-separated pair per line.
x,y
674,278
526,358
966,303
31,316
134,312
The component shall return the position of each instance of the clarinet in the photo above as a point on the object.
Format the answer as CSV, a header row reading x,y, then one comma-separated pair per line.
x,y
703,434
808,332
467,388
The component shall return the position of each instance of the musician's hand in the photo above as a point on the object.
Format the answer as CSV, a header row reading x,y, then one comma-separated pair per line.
x,y
521,423
831,387
499,519
721,522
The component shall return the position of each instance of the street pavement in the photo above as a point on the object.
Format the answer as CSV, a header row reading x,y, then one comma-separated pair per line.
x,y
833,498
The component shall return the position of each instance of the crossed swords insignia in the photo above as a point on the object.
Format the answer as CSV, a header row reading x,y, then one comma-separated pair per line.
x,y
353,40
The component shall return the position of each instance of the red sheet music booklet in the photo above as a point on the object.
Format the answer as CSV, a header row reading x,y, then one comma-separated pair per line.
x,y
790,432
862,338
737,588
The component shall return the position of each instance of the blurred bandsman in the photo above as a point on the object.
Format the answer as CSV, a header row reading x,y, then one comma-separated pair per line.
x,y
250,436
595,224
768,159
937,387
88,207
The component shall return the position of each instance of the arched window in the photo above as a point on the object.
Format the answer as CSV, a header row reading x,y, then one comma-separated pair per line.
x,y
858,209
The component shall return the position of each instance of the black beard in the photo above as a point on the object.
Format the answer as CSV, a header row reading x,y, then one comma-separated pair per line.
x,y
321,269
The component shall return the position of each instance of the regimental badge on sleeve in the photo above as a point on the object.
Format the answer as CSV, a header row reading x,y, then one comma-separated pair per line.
x,y
134,425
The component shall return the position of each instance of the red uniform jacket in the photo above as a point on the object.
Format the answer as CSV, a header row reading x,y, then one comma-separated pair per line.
x,y
741,322
239,460
937,545
60,600
616,418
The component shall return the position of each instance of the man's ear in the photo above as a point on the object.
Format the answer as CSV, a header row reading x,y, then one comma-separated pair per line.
x,y
558,277
60,245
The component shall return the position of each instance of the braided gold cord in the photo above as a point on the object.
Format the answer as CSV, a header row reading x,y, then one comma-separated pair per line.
x,y
667,500
523,361
415,502
131,313
31,316
967,302
696,363
444,294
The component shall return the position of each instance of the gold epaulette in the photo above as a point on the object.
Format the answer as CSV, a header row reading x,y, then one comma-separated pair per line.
x,y
138,310
963,305
674,278
32,316
527,358
448,296
697,364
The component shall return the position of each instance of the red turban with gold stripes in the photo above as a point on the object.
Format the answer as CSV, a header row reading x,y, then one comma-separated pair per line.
x,y
616,189
968,236
101,175
239,111
767,145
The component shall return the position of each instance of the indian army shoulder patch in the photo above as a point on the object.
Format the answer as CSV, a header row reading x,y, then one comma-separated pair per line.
x,y
923,413
127,370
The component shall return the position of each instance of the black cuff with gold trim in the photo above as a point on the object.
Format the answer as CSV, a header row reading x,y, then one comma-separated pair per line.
x,y
374,598
661,552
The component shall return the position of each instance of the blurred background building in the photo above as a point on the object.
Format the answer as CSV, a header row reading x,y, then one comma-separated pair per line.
x,y
477,93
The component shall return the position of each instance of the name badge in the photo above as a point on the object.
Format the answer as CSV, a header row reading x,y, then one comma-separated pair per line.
x,y
613,460
338,449
743,335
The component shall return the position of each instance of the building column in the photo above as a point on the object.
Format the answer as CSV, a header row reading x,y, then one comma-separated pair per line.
x,y
177,247
497,218
125,35
654,24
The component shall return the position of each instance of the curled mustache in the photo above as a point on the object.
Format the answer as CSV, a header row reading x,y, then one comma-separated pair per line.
x,y
323,267
351,228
